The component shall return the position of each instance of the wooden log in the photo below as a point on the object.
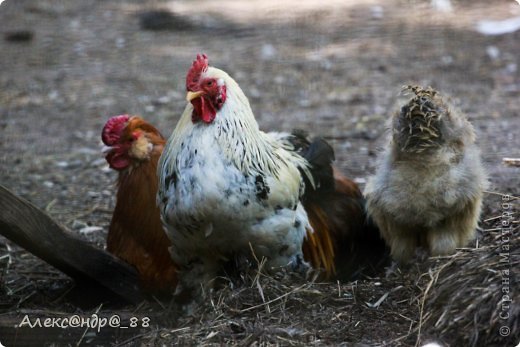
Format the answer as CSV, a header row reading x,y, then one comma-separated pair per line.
x,y
31,228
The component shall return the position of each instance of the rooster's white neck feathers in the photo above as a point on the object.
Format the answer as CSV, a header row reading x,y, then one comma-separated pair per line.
x,y
236,131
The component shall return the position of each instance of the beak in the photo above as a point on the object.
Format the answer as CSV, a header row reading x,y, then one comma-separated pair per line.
x,y
193,95
106,149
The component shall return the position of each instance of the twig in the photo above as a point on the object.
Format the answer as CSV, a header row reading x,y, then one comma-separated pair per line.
x,y
274,300
86,329
159,302
511,197
261,291
22,300
260,265
433,280
179,329
383,298
14,291
50,205
492,218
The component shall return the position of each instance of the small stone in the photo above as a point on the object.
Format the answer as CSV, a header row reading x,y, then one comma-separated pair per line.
x,y
93,194
493,52
120,42
89,230
268,52
62,164
77,224
377,12
163,100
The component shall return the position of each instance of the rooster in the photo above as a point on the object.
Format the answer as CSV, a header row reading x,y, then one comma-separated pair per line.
x,y
427,189
226,188
136,233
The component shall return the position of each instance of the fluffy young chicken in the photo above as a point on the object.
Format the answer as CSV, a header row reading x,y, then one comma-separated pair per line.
x,y
226,188
136,234
428,186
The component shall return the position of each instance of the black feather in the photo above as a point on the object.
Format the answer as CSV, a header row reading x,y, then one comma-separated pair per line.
x,y
320,155
365,253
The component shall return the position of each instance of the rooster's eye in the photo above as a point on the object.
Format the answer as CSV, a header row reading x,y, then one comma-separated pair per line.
x,y
209,83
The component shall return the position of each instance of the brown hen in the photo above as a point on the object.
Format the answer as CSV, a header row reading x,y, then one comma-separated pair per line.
x,y
136,234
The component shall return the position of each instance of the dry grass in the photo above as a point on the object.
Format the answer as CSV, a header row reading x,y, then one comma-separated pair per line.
x,y
290,310
474,293
457,300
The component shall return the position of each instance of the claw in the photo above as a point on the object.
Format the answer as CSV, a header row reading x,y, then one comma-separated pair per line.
x,y
299,265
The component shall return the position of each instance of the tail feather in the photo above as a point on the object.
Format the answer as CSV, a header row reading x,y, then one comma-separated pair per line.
x,y
320,154
357,247
319,247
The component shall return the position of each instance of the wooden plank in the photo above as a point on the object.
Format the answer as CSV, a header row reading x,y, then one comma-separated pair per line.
x,y
29,227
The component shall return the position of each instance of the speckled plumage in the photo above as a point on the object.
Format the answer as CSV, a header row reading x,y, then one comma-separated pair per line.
x,y
428,186
226,188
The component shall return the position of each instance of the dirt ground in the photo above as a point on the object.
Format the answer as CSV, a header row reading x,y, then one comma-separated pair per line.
x,y
333,68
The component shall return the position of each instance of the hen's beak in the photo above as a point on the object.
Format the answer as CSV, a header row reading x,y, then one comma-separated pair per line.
x,y
193,95
106,149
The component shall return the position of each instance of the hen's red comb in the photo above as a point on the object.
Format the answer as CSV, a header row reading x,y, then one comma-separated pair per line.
x,y
113,129
199,66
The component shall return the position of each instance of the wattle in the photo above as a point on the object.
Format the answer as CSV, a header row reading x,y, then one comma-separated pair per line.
x,y
117,161
203,110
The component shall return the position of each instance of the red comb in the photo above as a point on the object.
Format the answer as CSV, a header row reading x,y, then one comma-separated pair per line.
x,y
113,129
199,66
